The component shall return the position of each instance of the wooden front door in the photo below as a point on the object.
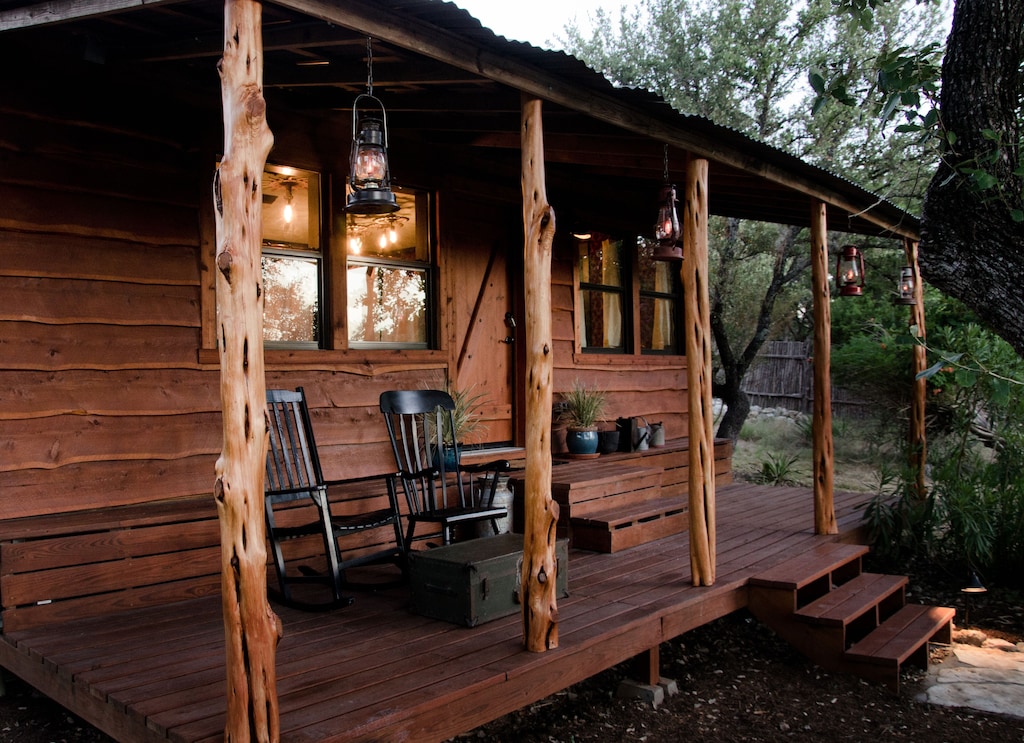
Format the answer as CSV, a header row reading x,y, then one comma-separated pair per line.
x,y
483,325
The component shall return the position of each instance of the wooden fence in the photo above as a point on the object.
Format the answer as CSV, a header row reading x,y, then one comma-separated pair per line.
x,y
781,377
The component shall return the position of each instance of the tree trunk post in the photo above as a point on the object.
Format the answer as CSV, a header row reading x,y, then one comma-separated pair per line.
x,y
540,609
918,444
251,629
698,373
821,420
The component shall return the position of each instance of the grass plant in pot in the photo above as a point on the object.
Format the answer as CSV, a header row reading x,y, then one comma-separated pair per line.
x,y
466,421
582,409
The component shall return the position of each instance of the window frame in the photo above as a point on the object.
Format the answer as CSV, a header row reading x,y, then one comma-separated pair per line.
x,y
313,252
631,350
333,352
426,232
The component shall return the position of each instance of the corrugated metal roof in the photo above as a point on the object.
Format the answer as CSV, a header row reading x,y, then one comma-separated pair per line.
x,y
470,100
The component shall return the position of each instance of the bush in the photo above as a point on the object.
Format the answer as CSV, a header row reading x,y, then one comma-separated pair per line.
x,y
973,513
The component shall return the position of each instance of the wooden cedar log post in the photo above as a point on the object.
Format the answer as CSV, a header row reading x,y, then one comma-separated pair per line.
x,y
821,422
540,609
698,373
251,629
917,439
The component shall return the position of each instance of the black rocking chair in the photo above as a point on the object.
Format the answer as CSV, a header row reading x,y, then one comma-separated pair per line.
x,y
294,478
438,489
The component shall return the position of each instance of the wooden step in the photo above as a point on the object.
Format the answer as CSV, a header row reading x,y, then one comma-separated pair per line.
x,y
826,560
621,527
880,595
902,638
584,488
903,634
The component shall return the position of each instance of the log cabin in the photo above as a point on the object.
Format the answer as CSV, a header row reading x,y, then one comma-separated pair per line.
x,y
111,137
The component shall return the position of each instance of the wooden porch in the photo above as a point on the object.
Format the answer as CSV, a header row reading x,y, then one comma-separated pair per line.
x,y
376,672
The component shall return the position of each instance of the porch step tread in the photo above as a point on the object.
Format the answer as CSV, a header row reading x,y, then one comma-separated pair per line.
x,y
902,634
602,536
797,572
845,603
619,516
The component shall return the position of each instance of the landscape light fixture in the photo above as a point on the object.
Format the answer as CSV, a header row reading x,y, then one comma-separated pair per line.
x,y
666,229
850,272
974,584
369,174
905,289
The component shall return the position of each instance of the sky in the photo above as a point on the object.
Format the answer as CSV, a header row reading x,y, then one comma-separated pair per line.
x,y
535,21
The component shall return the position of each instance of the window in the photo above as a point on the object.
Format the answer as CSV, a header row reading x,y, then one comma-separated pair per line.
x,y
390,277
292,258
660,302
602,294
628,303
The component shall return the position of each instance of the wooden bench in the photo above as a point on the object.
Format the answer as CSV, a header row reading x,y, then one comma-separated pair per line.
x,y
68,566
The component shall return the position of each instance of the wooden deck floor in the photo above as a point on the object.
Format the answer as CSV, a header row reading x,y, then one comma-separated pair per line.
x,y
375,672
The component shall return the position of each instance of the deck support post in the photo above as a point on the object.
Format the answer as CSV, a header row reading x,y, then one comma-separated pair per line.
x,y
918,446
698,373
821,420
646,667
251,629
540,610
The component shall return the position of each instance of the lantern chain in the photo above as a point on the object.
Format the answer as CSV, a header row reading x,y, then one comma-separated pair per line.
x,y
369,65
666,163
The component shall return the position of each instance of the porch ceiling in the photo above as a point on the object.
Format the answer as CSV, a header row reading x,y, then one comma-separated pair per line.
x,y
598,139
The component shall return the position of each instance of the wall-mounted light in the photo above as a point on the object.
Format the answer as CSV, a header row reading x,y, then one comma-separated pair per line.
x,y
666,229
289,210
905,289
850,271
369,173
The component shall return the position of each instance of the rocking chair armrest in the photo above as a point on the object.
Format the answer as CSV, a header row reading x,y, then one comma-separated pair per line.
x,y
428,472
498,465
355,480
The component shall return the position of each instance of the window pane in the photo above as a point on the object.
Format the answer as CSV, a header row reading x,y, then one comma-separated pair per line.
x,y
656,276
601,319
291,208
401,236
599,262
387,304
657,324
291,308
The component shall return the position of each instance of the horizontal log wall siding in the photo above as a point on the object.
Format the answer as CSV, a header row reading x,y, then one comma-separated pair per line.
x,y
105,400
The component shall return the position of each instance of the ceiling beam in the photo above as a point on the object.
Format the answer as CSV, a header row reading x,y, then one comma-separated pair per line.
x,y
59,11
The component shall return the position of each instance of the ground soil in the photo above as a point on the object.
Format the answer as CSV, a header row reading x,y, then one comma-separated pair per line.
x,y
737,682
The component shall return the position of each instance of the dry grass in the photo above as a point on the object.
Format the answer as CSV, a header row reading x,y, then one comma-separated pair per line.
x,y
858,454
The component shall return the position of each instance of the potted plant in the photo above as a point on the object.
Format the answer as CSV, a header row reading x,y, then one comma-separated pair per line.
x,y
466,420
582,408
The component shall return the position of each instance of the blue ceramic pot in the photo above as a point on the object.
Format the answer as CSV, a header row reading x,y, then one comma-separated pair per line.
x,y
581,442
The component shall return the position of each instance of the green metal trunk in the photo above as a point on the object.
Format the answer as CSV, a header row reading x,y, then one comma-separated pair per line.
x,y
475,581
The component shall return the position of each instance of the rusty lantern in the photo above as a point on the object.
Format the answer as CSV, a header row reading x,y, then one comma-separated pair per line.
x,y
850,272
905,289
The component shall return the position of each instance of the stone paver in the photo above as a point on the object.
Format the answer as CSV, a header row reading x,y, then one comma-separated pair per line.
x,y
985,679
